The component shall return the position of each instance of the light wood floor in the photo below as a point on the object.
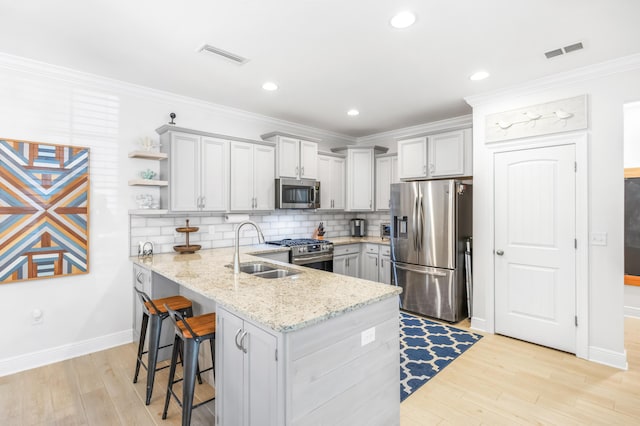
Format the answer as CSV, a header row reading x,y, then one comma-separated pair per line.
x,y
498,381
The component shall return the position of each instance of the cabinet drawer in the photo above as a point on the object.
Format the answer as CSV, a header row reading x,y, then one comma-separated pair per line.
x,y
371,248
346,249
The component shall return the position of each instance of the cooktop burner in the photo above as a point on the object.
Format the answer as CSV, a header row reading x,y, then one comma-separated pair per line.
x,y
288,242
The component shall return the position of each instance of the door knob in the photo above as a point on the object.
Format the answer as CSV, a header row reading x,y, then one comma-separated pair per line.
x,y
499,252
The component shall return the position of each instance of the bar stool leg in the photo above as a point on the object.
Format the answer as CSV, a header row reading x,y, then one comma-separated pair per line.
x,y
143,335
213,358
191,347
155,328
172,373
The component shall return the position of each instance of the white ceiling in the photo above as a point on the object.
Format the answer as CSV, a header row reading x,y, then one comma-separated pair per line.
x,y
327,56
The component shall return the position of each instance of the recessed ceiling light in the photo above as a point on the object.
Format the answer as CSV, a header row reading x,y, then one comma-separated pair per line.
x,y
403,20
479,75
353,112
270,86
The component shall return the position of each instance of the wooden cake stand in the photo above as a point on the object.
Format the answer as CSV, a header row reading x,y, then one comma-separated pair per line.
x,y
187,248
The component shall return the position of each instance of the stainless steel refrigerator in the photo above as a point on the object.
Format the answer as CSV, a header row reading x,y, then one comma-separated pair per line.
x,y
430,223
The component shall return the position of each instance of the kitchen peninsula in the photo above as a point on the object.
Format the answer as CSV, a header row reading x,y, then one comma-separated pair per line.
x,y
318,347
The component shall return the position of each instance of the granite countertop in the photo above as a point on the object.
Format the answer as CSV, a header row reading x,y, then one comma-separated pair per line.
x,y
283,304
337,241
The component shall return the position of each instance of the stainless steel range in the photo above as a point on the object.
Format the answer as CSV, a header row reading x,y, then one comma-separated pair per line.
x,y
317,254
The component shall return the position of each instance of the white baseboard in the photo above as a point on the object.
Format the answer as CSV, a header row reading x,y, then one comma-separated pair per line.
x,y
479,324
607,357
631,311
60,353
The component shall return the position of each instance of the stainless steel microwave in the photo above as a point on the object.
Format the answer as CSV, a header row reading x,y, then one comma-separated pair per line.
x,y
297,194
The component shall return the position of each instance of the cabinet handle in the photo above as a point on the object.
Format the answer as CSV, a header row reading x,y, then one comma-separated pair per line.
x,y
382,263
370,203
204,202
431,168
236,339
376,261
139,277
424,169
296,173
242,342
302,171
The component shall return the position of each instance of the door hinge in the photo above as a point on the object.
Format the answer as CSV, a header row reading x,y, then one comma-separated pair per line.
x,y
576,320
575,166
575,243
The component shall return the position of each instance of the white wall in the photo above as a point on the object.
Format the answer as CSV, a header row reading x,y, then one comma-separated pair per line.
x,y
631,160
608,87
42,103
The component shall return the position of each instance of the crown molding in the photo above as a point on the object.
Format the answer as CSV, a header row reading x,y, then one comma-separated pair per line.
x,y
455,123
46,70
591,72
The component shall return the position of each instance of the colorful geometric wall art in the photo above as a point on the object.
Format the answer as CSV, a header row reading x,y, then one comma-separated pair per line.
x,y
44,210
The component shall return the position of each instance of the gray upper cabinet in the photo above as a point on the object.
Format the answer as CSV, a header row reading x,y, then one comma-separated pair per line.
x,y
197,171
441,155
296,158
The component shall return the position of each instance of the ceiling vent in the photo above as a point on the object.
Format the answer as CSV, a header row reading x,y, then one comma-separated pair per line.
x,y
223,53
560,51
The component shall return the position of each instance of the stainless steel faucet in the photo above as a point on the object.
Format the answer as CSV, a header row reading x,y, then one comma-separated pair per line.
x,y
236,253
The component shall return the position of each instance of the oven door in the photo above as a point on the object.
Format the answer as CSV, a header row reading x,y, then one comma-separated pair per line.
x,y
323,262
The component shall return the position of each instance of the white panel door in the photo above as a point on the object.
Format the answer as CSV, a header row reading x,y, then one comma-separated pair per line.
x,y
360,194
241,176
264,177
535,256
412,158
288,157
339,183
446,154
214,174
185,172
308,160
383,180
394,170
230,368
370,267
261,380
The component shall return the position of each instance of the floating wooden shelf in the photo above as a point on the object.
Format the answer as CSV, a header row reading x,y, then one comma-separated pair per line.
x,y
148,212
148,182
149,155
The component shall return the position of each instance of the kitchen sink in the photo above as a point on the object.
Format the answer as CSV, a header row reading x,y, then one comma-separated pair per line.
x,y
266,271
276,273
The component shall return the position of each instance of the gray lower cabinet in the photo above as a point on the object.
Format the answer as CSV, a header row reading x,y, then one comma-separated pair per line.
x,y
346,260
247,368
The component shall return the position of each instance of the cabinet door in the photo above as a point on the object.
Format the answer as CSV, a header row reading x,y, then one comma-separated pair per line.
x,y
242,176
308,160
230,379
360,180
325,176
185,172
288,157
264,183
353,265
384,269
339,183
370,266
383,180
412,158
214,180
340,265
261,379
394,170
446,154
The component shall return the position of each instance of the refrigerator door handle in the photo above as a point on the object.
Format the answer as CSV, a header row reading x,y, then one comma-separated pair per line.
x,y
420,222
420,270
414,227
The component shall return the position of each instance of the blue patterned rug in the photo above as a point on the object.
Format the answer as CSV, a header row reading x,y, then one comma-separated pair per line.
x,y
426,347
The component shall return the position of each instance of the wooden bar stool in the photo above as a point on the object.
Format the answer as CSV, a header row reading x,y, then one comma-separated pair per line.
x,y
190,332
155,311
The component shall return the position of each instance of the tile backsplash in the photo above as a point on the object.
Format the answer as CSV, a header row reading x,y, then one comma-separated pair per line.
x,y
215,232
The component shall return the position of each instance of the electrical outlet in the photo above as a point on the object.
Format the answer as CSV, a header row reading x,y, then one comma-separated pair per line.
x,y
368,336
37,317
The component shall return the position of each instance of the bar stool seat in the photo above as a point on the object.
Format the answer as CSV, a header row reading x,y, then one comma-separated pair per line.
x,y
190,332
154,312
